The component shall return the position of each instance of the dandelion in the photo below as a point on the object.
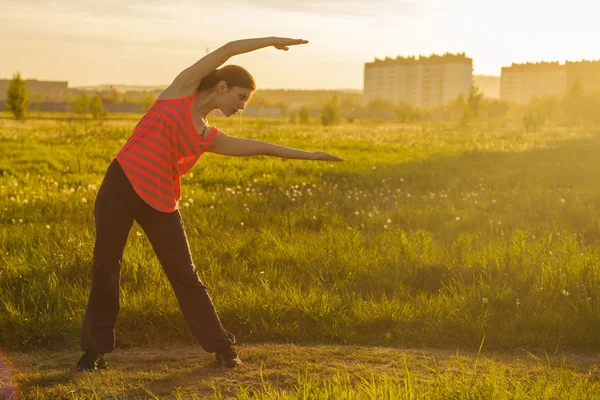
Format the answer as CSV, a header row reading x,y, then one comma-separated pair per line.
x,y
485,300
241,223
84,200
494,201
564,292
408,195
186,204
47,226
212,207
21,220
356,213
518,302
385,227
388,335
138,233
562,200
191,201
458,218
551,253
262,272
314,217
374,167
370,215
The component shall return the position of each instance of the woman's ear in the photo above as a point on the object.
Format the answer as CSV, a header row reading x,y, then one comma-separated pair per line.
x,y
222,87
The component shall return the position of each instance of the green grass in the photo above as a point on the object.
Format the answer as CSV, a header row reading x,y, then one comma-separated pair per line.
x,y
427,235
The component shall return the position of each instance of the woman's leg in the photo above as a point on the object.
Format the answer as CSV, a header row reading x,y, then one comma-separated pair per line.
x,y
113,222
167,236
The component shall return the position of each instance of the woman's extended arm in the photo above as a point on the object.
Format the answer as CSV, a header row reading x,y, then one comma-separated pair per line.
x,y
188,80
234,146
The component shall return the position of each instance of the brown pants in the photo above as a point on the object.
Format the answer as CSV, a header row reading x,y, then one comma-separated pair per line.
x,y
117,206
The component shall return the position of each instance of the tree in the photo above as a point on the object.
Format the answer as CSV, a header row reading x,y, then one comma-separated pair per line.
x,y
293,118
475,100
536,116
96,107
405,112
457,106
574,102
330,113
17,97
303,115
81,104
381,105
148,100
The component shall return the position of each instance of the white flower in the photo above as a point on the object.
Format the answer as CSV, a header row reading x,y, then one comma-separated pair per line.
x,y
389,221
47,226
241,223
458,218
84,200
485,300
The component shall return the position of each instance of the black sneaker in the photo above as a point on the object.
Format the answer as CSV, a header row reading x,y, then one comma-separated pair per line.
x,y
227,357
91,361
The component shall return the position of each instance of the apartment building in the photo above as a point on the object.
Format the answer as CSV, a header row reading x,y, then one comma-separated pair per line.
x,y
424,82
521,82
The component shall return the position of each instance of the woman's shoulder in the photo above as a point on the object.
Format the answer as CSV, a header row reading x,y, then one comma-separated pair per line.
x,y
173,93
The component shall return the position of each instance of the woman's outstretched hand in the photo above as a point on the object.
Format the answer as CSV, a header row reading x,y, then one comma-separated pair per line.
x,y
284,43
322,156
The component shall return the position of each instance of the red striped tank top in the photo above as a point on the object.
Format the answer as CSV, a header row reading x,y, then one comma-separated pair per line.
x,y
163,147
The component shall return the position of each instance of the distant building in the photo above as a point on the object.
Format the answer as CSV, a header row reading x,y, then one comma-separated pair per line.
x,y
488,85
520,82
424,82
36,87
586,72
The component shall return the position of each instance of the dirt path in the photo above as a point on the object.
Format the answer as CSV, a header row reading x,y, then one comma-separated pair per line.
x,y
180,372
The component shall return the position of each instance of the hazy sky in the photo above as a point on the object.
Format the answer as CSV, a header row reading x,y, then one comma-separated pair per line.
x,y
147,42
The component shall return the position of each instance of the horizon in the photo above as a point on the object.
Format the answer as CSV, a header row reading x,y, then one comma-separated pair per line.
x,y
136,42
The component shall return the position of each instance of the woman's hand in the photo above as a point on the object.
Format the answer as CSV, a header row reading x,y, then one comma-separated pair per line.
x,y
322,156
283,43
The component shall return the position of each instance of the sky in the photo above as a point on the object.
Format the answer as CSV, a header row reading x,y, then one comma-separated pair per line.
x,y
148,42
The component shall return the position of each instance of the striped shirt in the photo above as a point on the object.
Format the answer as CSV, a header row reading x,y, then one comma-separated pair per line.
x,y
164,146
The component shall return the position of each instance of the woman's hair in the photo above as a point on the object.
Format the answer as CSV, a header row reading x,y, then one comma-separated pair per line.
x,y
234,75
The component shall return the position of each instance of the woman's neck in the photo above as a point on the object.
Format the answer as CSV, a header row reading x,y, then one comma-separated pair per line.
x,y
204,103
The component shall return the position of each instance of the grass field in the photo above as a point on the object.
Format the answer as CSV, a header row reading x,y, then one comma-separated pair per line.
x,y
428,235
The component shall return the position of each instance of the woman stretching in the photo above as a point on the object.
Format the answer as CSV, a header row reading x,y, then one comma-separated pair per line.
x,y
142,184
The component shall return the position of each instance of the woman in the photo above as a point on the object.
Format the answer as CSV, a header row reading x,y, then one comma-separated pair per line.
x,y
142,184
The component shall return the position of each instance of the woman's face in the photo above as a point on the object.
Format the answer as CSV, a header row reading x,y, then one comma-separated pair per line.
x,y
233,99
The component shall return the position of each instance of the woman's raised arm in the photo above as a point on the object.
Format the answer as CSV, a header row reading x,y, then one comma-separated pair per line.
x,y
188,80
